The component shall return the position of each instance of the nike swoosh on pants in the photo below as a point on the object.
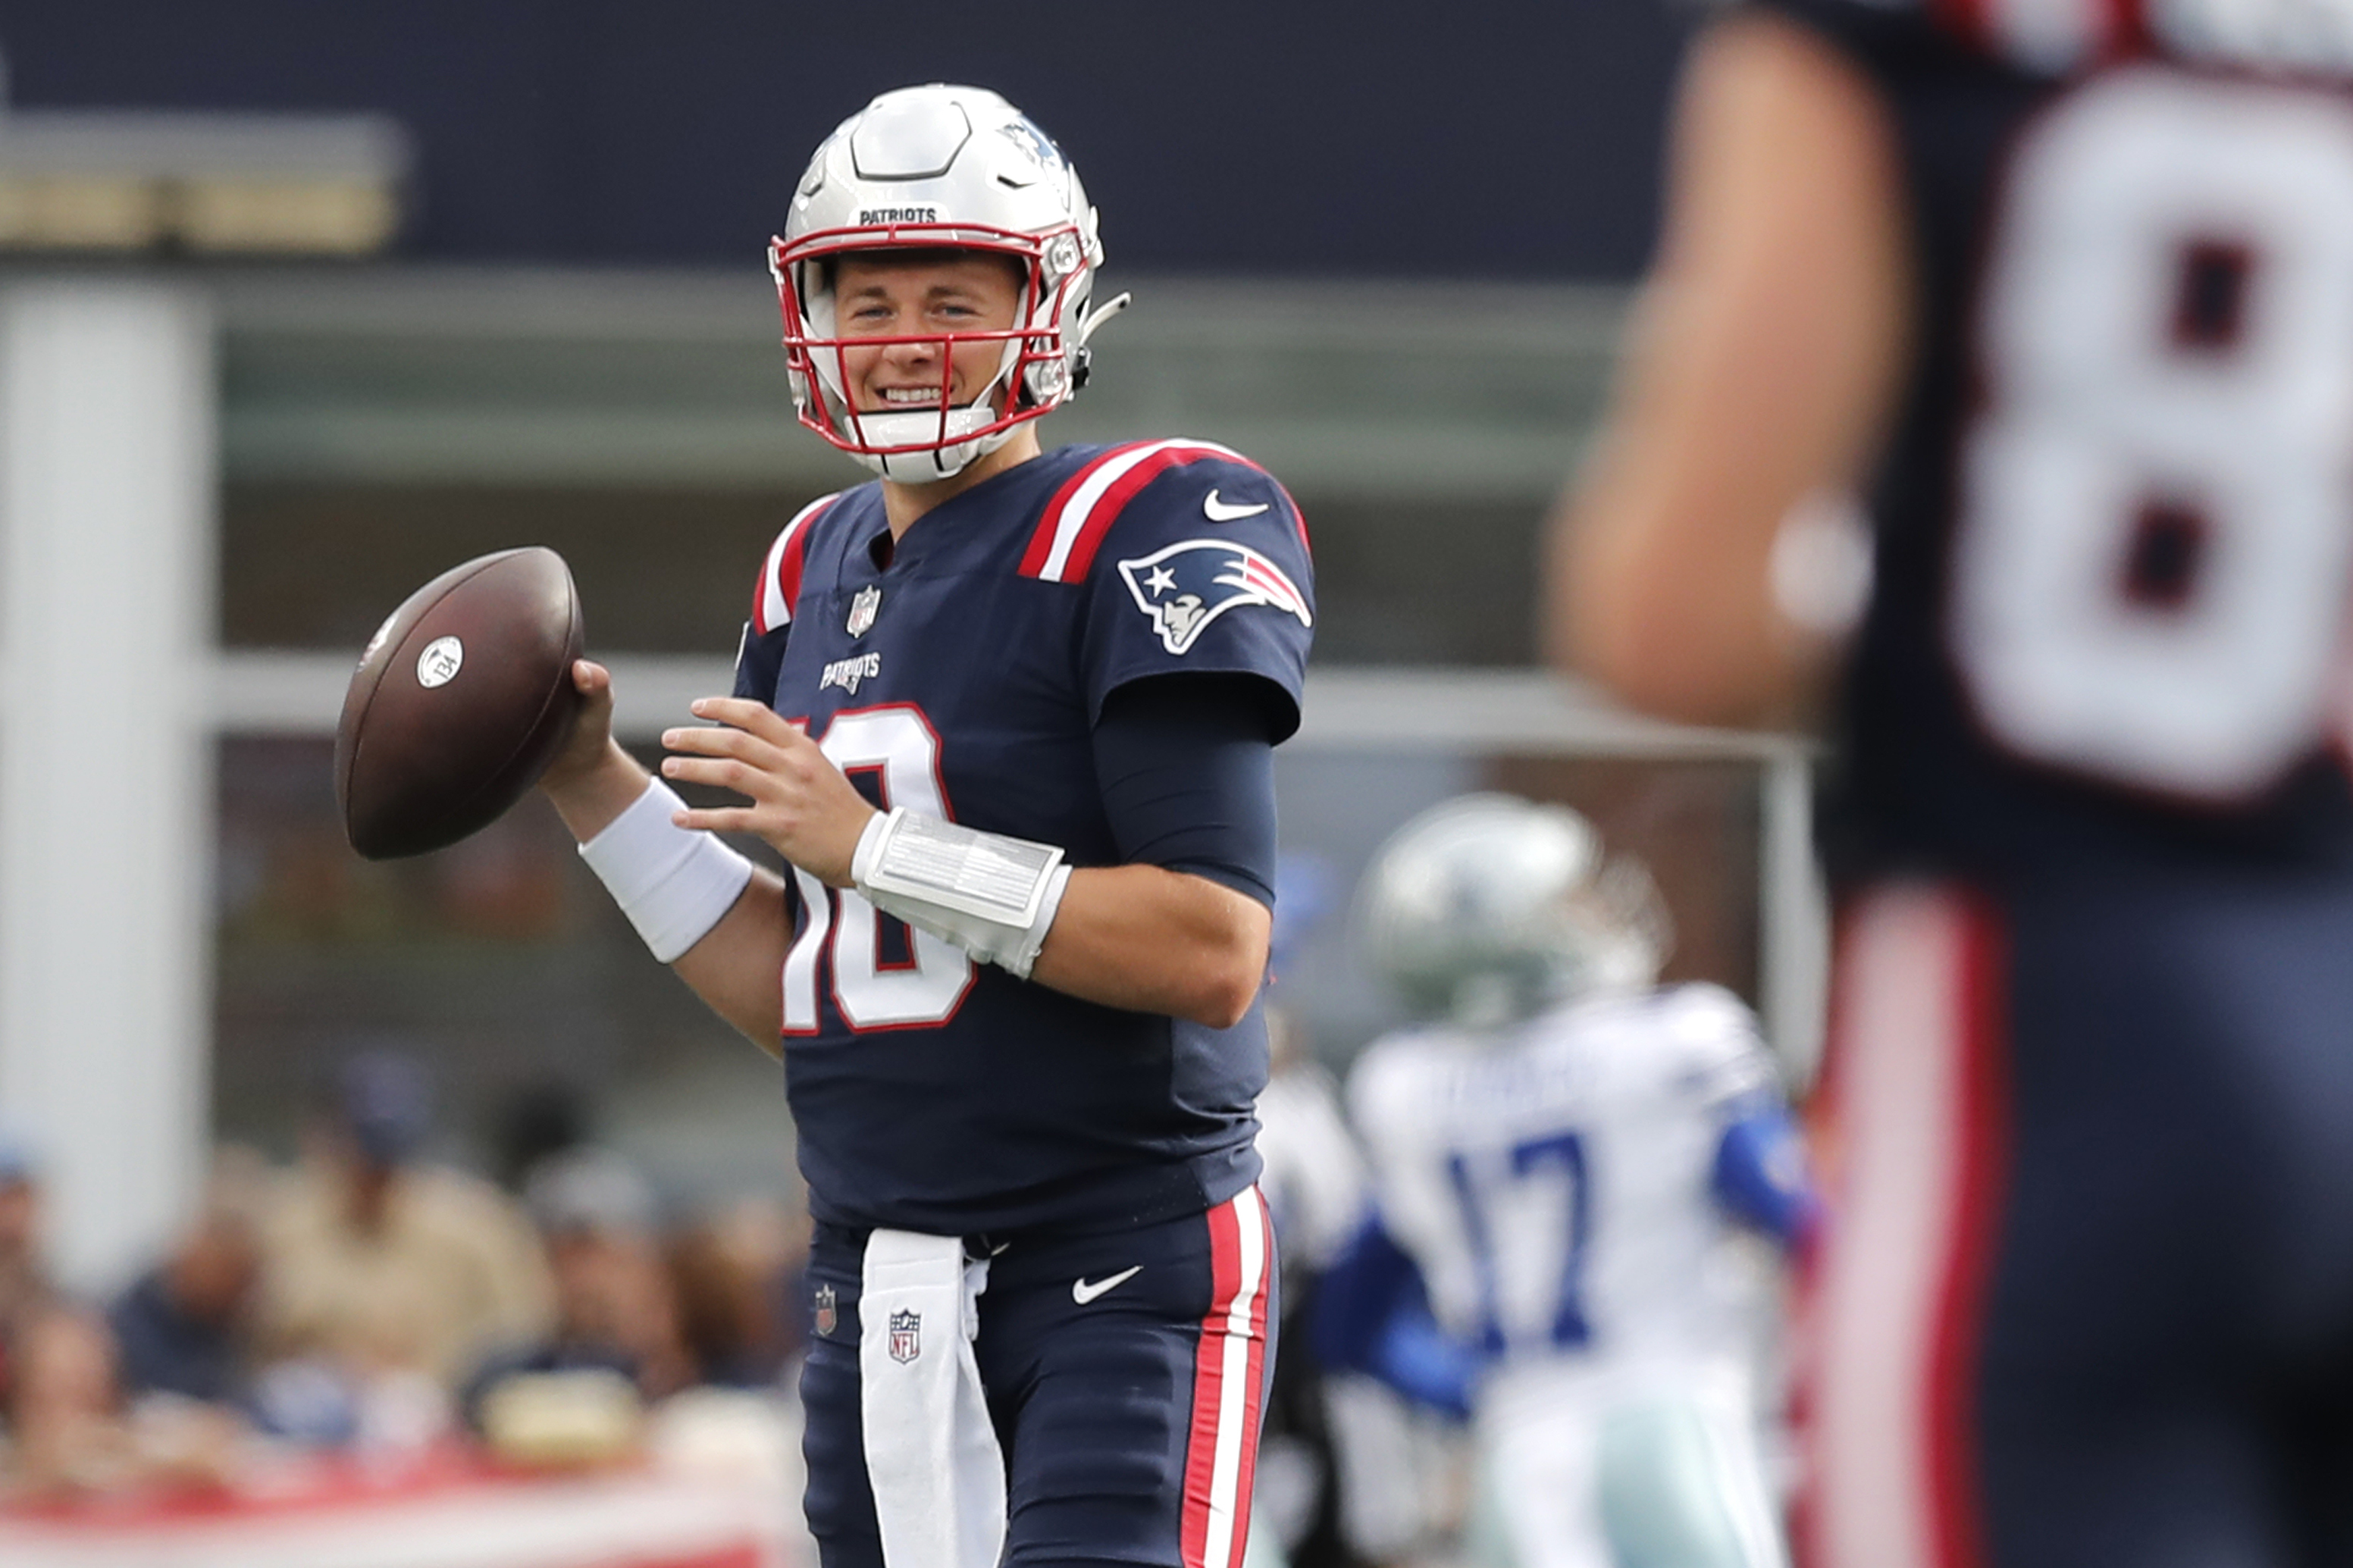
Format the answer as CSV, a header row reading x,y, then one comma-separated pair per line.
x,y
1085,1290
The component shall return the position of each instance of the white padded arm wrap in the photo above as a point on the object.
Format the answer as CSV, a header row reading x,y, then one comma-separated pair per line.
x,y
993,896
673,882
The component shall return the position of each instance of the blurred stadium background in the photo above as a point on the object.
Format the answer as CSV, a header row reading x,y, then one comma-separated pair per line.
x,y
301,303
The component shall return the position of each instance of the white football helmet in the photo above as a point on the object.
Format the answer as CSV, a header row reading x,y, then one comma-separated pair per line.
x,y
1488,908
944,168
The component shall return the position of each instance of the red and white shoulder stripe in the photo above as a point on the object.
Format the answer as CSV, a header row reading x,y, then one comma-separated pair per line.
x,y
2051,37
1229,1373
780,576
1071,528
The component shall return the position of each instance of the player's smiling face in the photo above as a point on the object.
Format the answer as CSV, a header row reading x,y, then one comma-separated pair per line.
x,y
923,296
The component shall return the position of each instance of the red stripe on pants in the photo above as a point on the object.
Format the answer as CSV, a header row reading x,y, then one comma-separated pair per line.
x,y
1896,1300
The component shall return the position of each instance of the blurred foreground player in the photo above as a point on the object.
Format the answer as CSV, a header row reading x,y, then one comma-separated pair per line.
x,y
2066,291
1561,1156
1008,714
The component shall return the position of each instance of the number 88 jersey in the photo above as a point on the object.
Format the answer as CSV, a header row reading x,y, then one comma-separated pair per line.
x,y
2115,521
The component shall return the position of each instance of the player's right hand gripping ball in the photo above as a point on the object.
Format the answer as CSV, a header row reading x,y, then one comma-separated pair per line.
x,y
461,701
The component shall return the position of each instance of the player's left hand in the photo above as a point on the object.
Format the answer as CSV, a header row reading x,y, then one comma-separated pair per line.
x,y
802,805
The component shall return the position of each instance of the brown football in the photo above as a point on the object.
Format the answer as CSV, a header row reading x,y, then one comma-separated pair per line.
x,y
461,699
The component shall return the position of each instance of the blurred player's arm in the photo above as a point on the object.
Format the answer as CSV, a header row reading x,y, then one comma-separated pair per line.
x,y
1373,1316
1760,361
1760,1176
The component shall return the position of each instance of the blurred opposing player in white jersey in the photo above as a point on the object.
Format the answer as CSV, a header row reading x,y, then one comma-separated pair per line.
x,y
1563,1156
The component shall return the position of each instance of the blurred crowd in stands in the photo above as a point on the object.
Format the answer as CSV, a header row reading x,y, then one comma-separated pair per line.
x,y
371,1303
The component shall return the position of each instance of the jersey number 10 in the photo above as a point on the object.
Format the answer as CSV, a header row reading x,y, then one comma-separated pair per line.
x,y
2155,499
898,744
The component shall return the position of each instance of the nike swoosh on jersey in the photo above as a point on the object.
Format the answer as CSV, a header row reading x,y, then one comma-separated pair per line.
x,y
1085,1290
1226,511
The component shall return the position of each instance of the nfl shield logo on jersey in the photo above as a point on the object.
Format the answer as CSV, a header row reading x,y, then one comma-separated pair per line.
x,y
906,1335
862,608
824,1317
1188,584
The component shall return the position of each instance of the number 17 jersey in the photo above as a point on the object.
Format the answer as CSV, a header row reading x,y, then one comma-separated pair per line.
x,y
1554,1180
2113,521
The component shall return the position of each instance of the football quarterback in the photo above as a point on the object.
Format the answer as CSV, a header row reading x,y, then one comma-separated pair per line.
x,y
1009,714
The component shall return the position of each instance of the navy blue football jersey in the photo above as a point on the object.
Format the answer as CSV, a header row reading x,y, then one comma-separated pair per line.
x,y
962,674
2113,524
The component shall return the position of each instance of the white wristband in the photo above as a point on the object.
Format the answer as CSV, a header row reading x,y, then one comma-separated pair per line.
x,y
673,883
994,896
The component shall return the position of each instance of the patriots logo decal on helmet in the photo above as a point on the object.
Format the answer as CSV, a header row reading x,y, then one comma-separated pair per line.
x,y
1187,585
1023,133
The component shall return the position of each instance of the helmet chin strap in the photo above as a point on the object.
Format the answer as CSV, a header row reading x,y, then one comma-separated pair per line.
x,y
924,464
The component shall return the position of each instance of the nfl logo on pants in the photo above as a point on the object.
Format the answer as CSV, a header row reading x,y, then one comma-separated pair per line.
x,y
906,1335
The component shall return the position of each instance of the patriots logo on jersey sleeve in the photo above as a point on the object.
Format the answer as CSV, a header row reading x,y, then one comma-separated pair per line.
x,y
1187,585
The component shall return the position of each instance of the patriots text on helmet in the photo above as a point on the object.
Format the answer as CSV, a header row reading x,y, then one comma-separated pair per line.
x,y
869,216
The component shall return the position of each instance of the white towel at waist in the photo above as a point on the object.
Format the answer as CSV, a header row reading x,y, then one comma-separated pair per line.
x,y
931,1451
